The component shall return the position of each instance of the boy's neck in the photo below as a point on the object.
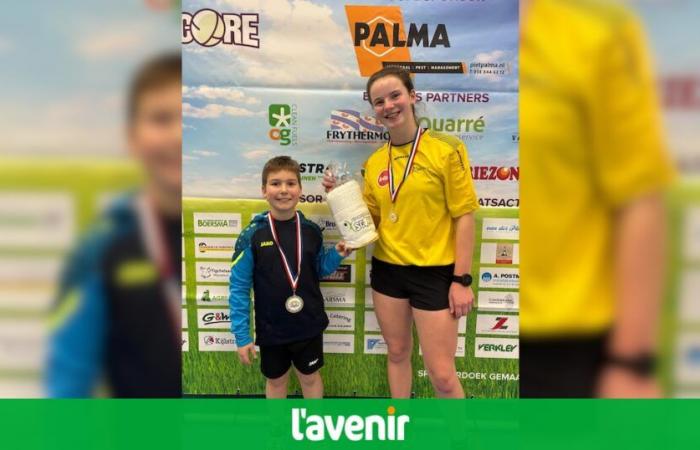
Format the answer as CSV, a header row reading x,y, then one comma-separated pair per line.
x,y
283,215
167,204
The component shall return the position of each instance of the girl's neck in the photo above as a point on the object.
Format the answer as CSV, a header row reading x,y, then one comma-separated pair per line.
x,y
403,135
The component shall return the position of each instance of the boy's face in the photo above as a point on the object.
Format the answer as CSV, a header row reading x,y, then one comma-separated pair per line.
x,y
282,191
155,136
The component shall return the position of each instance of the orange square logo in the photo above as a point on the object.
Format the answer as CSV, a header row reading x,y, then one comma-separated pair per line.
x,y
378,35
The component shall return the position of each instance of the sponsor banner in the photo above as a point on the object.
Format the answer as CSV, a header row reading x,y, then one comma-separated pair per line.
x,y
375,345
500,253
184,294
462,325
341,320
22,344
30,270
371,323
185,342
216,341
495,277
369,301
22,388
182,248
495,173
502,229
217,223
338,343
688,358
338,296
212,295
369,251
368,273
499,301
218,272
344,274
459,351
213,318
326,223
37,221
689,304
209,28
27,298
215,248
183,318
330,243
382,38
184,271
691,234
497,324
496,348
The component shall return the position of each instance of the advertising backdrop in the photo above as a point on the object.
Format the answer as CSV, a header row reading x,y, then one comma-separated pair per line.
x,y
262,79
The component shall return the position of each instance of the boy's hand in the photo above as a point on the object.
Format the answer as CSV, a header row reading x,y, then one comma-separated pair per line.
x,y
343,250
243,353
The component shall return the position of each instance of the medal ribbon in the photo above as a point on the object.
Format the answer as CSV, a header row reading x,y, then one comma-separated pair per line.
x,y
293,281
159,253
394,191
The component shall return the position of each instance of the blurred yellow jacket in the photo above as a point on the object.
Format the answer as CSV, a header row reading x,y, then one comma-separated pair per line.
x,y
591,142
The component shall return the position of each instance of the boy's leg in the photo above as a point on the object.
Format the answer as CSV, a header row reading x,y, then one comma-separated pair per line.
x,y
308,359
277,387
275,361
311,384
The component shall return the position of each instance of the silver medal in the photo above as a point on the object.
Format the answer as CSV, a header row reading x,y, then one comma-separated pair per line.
x,y
294,304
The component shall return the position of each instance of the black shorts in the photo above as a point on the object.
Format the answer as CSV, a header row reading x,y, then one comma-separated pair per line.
x,y
425,287
307,357
566,367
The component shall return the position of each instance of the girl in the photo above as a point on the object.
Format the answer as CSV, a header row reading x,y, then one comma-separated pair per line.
x,y
419,190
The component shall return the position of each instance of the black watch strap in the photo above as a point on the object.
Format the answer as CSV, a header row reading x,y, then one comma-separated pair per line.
x,y
464,279
643,365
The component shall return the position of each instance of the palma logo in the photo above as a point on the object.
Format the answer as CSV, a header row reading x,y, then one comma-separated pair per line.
x,y
313,427
381,38
283,120
210,28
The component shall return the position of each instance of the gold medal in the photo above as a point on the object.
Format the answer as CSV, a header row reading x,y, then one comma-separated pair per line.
x,y
393,217
294,304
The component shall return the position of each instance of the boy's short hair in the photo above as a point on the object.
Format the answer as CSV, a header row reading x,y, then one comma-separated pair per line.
x,y
281,163
154,74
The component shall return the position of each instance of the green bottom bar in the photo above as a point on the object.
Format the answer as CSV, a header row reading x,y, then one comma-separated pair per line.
x,y
356,424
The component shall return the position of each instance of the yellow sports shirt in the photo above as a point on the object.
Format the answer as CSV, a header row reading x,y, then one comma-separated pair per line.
x,y
590,143
438,189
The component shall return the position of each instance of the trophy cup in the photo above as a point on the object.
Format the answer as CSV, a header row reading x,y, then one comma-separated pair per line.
x,y
349,209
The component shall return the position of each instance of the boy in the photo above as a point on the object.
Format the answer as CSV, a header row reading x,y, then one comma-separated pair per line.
x,y
281,255
115,282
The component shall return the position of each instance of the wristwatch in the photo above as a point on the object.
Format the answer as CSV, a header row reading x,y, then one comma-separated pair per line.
x,y
643,365
464,279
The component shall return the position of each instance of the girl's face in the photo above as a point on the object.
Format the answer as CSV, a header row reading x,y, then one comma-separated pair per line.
x,y
392,103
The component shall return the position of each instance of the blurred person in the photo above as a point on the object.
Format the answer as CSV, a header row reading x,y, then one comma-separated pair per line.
x,y
281,256
117,316
594,168
421,267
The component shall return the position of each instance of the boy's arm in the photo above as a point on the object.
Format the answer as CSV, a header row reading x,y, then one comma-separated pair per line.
x,y
240,282
328,260
77,332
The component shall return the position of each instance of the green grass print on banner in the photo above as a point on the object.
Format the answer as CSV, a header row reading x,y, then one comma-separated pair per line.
x,y
344,375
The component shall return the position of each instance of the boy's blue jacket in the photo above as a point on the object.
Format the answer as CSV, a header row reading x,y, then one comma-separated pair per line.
x,y
257,264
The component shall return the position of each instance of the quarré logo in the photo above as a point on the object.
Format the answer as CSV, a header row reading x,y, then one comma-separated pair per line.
x,y
314,427
209,28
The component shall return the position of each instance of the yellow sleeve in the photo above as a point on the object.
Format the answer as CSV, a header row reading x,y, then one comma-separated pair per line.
x,y
458,184
630,154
